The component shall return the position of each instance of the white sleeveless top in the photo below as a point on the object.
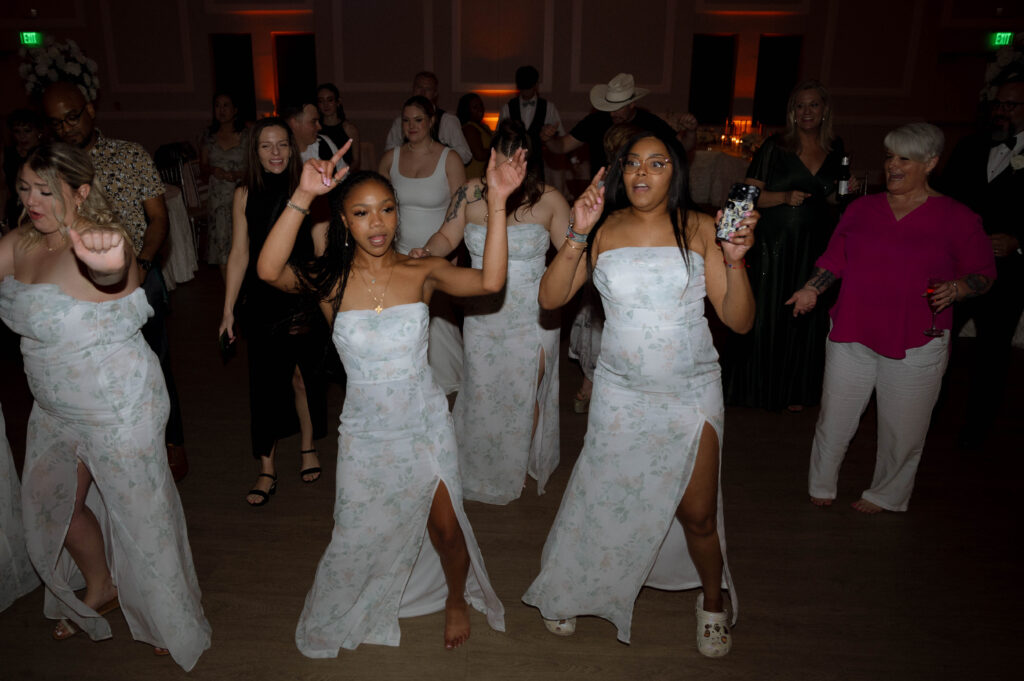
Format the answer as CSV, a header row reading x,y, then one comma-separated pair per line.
x,y
422,202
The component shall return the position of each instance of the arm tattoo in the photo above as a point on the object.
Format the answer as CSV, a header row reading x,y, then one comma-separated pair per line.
x,y
459,199
977,284
821,279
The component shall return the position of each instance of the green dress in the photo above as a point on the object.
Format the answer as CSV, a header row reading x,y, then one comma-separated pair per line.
x,y
781,361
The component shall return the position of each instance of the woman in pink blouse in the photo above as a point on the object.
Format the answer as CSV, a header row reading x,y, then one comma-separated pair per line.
x,y
886,248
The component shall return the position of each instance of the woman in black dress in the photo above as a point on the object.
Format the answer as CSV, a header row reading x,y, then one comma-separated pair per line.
x,y
780,363
287,338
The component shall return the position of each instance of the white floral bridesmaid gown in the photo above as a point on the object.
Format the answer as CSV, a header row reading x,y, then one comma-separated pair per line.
x,y
656,384
100,399
506,336
395,446
17,577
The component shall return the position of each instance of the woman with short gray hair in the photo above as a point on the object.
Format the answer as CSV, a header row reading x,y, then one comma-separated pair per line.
x,y
905,256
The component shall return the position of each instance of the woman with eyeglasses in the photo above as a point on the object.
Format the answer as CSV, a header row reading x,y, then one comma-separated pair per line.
x,y
643,505
779,364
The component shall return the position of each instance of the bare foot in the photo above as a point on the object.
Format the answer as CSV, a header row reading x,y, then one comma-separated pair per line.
x,y
865,506
160,651
818,501
456,623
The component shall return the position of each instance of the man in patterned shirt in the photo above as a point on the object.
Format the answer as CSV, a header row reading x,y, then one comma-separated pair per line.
x,y
126,175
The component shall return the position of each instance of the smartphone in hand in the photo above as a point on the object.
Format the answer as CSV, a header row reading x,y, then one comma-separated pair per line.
x,y
227,347
742,199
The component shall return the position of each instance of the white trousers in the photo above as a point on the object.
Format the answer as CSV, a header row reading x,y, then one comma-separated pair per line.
x,y
907,390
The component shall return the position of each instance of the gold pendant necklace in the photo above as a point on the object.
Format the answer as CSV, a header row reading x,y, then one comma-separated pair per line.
x,y
380,301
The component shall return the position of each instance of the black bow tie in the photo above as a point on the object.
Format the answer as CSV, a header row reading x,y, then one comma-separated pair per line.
x,y
528,103
1010,143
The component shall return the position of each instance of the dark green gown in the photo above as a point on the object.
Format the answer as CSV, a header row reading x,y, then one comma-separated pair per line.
x,y
781,361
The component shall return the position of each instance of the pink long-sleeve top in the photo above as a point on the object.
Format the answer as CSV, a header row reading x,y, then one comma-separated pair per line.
x,y
885,264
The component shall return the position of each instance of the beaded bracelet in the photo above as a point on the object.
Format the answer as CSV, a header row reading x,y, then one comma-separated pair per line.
x,y
743,264
304,211
572,235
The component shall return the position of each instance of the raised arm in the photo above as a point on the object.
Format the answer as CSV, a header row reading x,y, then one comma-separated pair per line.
x,y
465,281
106,256
725,272
448,238
238,261
318,178
568,271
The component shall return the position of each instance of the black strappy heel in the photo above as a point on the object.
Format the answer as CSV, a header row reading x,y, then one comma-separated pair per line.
x,y
264,496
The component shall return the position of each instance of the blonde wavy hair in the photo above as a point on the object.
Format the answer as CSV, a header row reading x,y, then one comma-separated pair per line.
x,y
791,139
60,164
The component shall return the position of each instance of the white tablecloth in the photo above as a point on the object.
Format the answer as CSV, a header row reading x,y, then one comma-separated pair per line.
x,y
181,262
713,173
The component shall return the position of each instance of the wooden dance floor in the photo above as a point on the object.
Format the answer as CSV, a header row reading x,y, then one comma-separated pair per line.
x,y
825,594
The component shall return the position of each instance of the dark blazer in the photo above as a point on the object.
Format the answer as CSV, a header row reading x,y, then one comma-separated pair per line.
x,y
1000,203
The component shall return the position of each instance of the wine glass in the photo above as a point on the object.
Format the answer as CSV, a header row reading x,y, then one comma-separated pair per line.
x,y
933,283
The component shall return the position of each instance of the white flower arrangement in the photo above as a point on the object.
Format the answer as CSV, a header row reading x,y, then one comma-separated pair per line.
x,y
53,61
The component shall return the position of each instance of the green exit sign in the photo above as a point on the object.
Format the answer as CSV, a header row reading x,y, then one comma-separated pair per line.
x,y
31,38
1002,38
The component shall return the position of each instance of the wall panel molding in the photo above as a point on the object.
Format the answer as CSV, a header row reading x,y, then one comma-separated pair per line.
x,y
114,80
234,7
664,86
343,81
21,23
775,7
912,46
547,59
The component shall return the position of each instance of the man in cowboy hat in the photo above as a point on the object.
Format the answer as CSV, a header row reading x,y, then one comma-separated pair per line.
x,y
616,103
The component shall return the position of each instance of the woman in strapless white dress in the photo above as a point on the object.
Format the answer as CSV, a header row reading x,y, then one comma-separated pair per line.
x,y
643,505
402,544
100,507
506,413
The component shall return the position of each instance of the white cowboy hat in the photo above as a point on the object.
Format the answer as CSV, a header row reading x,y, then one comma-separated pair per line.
x,y
619,92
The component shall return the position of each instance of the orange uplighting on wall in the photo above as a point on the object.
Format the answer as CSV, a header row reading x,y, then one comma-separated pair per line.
x,y
491,120
751,13
496,92
269,12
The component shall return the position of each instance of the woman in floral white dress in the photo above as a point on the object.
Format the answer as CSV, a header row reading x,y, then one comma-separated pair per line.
x,y
506,413
398,478
96,480
643,506
17,577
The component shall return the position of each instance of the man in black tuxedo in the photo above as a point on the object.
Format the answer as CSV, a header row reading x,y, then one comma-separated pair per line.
x,y
986,172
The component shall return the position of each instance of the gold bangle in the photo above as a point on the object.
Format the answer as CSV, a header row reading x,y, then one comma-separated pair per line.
x,y
570,242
